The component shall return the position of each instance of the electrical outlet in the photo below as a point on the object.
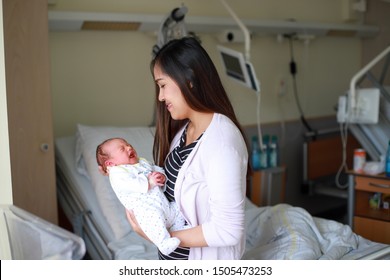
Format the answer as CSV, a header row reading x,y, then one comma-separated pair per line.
x,y
281,87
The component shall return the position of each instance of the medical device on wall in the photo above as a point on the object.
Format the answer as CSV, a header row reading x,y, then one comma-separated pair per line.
x,y
361,105
237,65
365,111
172,27
238,69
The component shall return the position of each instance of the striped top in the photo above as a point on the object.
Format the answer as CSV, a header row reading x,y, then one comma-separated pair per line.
x,y
173,163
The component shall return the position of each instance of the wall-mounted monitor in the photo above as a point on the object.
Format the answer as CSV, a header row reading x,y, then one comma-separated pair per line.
x,y
238,69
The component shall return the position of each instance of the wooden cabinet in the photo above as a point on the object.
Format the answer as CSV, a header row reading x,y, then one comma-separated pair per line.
x,y
368,221
27,69
268,186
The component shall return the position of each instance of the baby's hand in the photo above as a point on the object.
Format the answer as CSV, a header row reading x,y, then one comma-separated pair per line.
x,y
156,179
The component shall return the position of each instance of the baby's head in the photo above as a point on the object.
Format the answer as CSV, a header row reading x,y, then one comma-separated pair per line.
x,y
115,151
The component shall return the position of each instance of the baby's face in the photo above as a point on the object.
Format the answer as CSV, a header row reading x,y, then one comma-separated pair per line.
x,y
121,152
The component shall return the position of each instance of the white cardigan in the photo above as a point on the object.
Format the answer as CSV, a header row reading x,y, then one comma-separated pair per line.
x,y
210,189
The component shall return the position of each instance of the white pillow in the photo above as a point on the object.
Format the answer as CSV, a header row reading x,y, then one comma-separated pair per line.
x,y
87,139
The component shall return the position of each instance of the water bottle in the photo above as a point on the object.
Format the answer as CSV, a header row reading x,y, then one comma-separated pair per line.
x,y
263,158
387,161
255,154
273,154
264,153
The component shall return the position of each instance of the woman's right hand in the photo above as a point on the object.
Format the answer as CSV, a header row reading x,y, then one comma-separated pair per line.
x,y
134,224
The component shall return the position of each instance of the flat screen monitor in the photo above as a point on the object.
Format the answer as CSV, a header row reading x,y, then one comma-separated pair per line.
x,y
237,68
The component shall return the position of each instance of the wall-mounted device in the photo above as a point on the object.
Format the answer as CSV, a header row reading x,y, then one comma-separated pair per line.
x,y
238,69
366,110
362,105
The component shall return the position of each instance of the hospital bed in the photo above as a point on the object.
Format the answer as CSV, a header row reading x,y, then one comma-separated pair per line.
x,y
273,232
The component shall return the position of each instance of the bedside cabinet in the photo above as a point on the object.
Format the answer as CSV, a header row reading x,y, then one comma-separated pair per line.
x,y
366,220
268,186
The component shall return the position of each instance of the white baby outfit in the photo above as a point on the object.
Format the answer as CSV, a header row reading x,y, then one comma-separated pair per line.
x,y
154,213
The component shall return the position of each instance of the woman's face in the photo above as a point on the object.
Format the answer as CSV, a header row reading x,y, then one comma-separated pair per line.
x,y
170,93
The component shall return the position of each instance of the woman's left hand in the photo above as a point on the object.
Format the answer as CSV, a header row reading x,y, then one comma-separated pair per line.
x,y
134,224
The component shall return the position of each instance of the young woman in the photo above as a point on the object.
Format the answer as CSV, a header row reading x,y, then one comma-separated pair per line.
x,y
202,148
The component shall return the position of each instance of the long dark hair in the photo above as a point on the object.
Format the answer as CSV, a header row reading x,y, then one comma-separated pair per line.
x,y
187,63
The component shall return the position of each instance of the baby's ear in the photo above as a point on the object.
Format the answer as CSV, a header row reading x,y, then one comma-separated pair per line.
x,y
109,163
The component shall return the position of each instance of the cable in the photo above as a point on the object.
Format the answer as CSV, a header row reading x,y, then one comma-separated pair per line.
x,y
260,136
293,71
343,166
282,142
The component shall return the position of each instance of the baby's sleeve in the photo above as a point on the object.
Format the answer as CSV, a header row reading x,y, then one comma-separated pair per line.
x,y
123,180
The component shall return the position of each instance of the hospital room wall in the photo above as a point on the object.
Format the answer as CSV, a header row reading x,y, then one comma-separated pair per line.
x,y
103,77
93,70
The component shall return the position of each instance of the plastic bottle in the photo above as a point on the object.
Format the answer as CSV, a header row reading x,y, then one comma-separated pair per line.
x,y
274,153
255,156
277,150
264,153
387,161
